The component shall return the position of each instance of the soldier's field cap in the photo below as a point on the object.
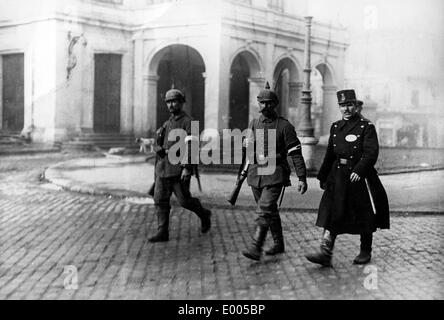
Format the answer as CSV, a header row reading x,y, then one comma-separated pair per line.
x,y
174,94
345,96
267,95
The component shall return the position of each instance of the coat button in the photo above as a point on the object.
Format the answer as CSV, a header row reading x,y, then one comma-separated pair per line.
x,y
334,145
354,147
338,167
358,135
351,157
334,135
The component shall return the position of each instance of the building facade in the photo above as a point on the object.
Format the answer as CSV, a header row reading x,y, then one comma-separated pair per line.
x,y
102,66
394,60
76,66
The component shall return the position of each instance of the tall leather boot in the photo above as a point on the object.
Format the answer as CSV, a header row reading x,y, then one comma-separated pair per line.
x,y
365,255
278,238
323,257
205,220
194,205
163,219
255,249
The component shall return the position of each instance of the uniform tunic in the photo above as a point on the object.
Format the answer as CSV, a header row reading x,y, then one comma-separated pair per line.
x,y
346,206
267,188
164,168
168,175
286,140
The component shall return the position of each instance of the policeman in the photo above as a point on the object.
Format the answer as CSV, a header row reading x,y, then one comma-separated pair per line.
x,y
354,200
267,188
171,177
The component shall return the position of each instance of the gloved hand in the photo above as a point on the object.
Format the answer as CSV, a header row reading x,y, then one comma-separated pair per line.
x,y
161,152
186,175
302,186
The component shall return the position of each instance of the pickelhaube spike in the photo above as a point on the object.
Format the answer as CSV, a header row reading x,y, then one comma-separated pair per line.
x,y
267,94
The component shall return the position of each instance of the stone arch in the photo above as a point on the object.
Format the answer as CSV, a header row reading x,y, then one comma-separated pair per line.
x,y
245,82
287,86
324,106
183,67
253,59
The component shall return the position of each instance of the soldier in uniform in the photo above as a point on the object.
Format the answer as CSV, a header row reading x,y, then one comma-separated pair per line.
x,y
175,178
267,188
354,200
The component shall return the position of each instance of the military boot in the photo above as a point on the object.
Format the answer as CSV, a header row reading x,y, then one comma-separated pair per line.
x,y
364,255
205,220
162,227
324,256
278,238
255,249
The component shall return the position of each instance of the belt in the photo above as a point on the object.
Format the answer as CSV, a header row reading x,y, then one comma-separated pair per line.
x,y
344,161
262,157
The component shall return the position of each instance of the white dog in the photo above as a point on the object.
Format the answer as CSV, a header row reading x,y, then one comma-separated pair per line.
x,y
144,143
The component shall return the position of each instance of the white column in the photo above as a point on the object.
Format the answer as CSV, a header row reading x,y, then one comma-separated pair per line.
x,y
149,102
27,94
330,110
1,92
305,127
127,105
138,87
294,89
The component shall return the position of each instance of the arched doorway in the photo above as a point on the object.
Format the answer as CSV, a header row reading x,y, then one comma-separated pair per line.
x,y
324,105
181,67
286,86
243,75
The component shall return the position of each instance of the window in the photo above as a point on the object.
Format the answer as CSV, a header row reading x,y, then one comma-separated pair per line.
x,y
158,1
386,133
370,18
110,1
415,98
276,5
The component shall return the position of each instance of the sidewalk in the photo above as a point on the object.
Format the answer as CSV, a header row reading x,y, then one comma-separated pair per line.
x,y
130,177
50,237
26,148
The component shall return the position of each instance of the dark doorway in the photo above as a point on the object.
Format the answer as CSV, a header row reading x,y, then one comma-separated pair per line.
x,y
282,91
182,67
239,94
107,78
13,92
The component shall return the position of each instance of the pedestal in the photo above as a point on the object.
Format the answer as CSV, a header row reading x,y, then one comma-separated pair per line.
x,y
308,152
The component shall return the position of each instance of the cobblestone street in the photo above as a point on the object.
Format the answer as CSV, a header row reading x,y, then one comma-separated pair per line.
x,y
51,237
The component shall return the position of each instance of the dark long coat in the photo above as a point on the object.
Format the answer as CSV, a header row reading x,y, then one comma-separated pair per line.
x,y
346,206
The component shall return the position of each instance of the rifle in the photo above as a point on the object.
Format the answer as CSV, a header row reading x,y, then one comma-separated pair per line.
x,y
197,175
159,154
151,190
240,179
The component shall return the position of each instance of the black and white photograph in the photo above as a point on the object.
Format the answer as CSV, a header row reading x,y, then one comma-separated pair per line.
x,y
222,154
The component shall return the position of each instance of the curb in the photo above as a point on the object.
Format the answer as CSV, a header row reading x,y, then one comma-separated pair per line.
x,y
51,175
30,152
142,198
